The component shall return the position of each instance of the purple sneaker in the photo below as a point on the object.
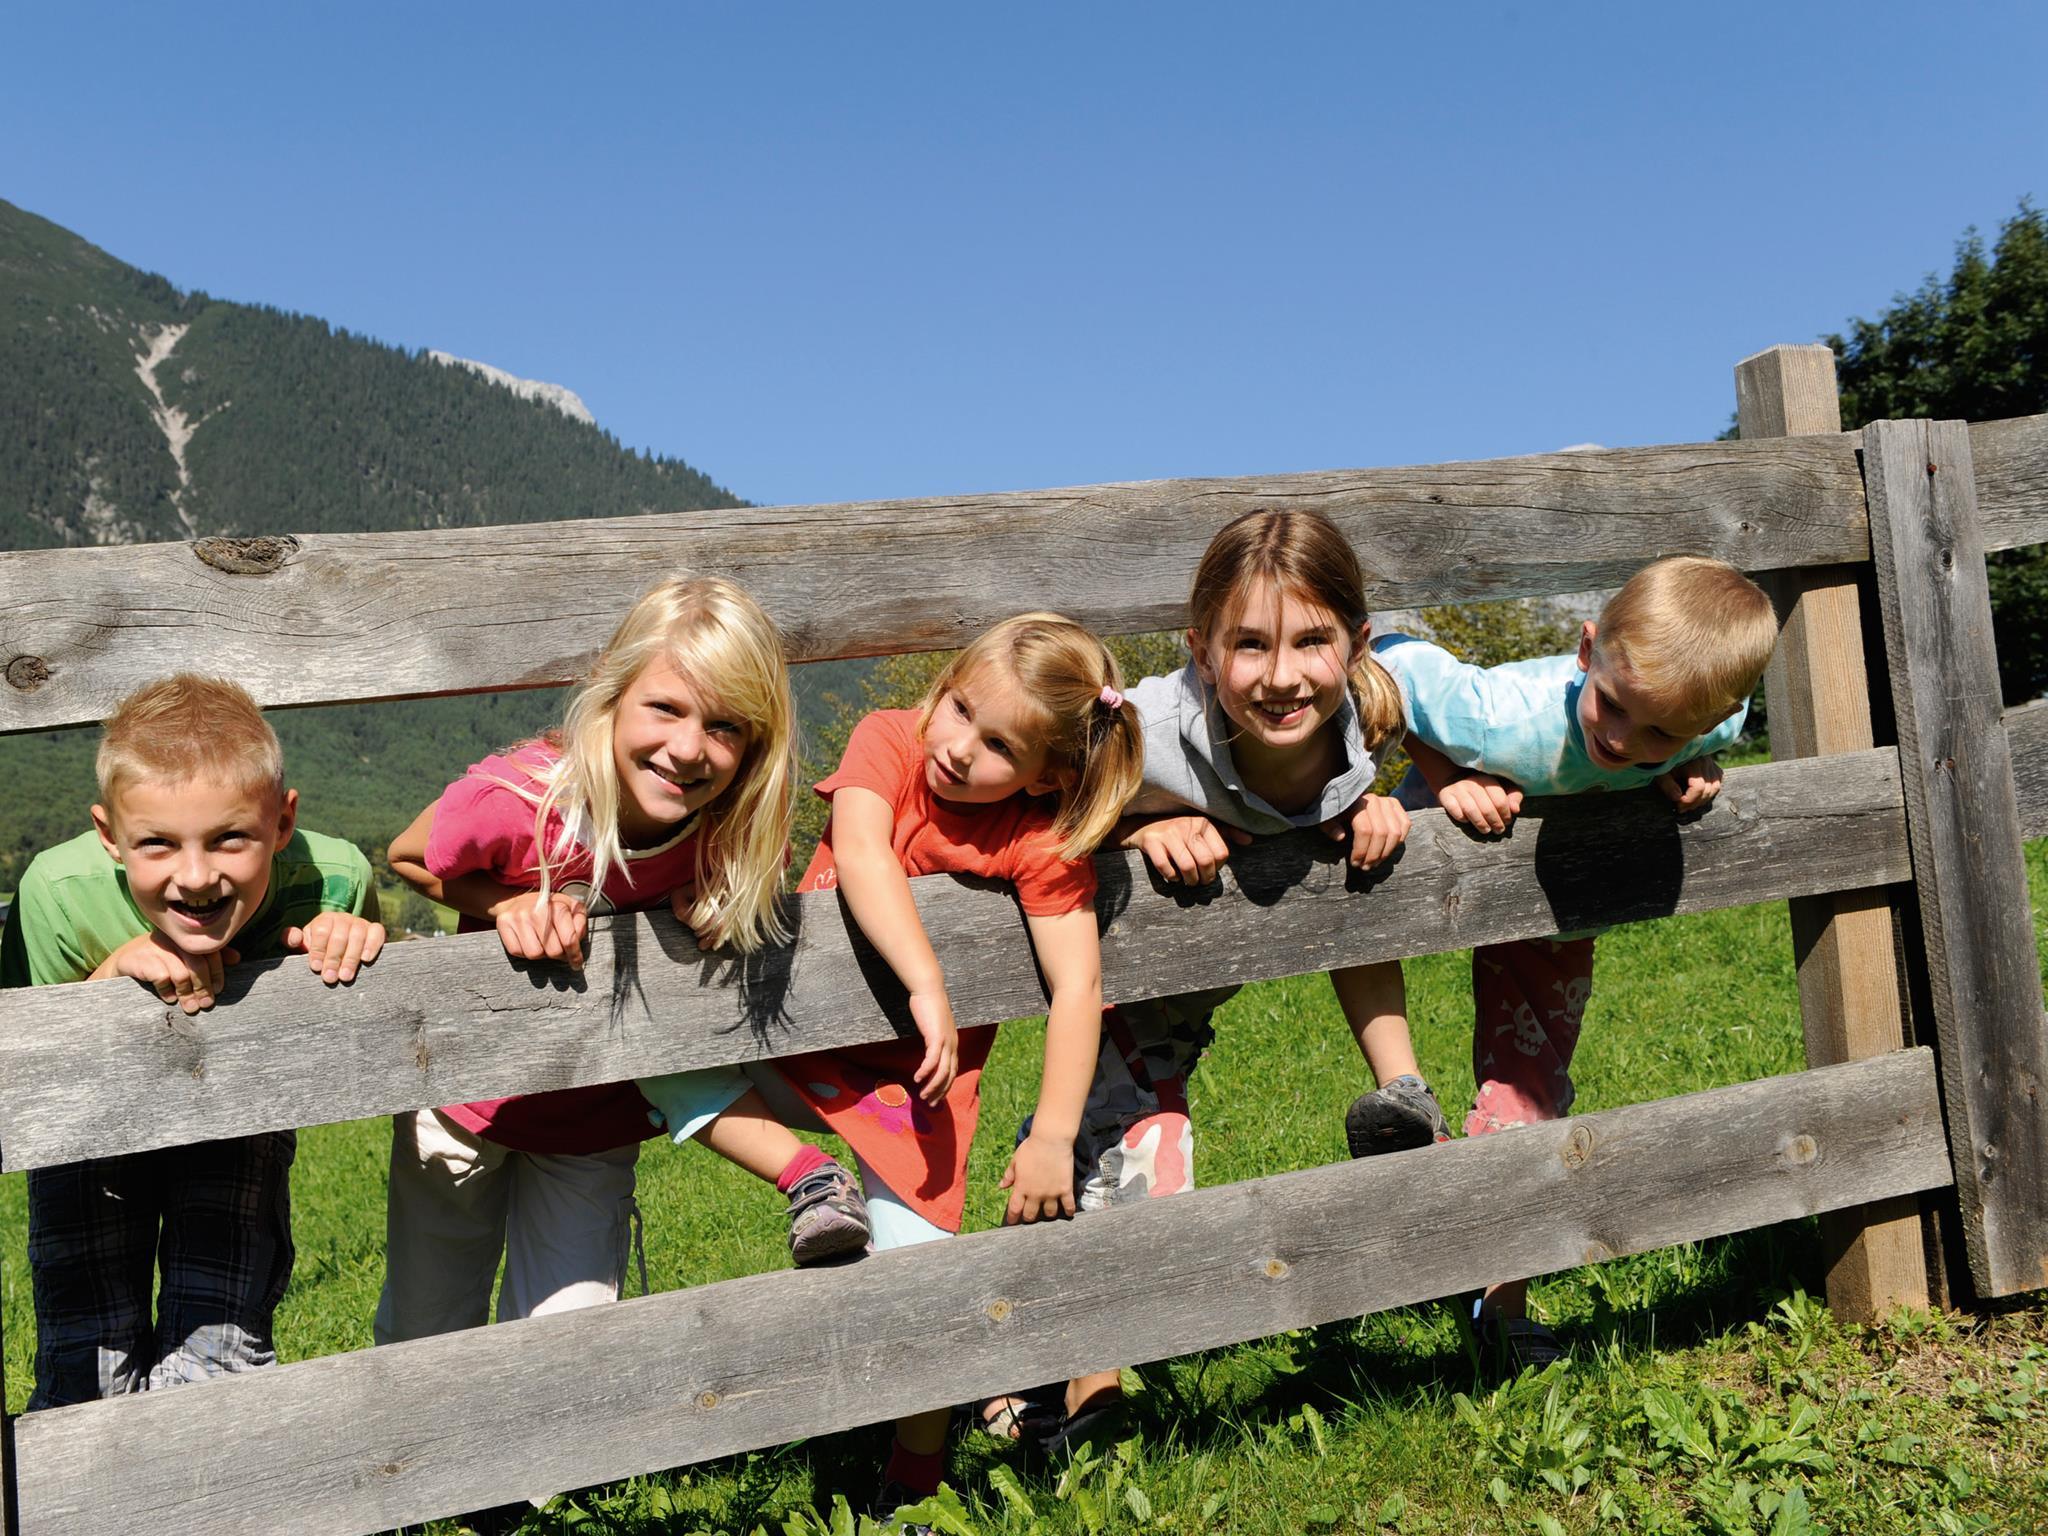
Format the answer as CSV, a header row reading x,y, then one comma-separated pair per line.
x,y
827,1216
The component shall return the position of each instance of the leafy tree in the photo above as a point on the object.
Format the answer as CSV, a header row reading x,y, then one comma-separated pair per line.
x,y
1971,346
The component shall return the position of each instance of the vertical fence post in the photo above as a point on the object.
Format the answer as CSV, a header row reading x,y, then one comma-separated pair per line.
x,y
1962,822
1818,692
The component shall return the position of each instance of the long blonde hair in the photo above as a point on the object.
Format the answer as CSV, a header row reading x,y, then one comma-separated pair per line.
x,y
720,642
1303,553
1068,678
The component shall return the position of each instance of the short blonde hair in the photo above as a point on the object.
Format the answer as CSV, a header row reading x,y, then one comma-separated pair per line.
x,y
1307,556
186,727
1060,670
719,642
1693,634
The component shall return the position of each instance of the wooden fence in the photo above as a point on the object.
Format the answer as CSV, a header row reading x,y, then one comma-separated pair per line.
x,y
1868,840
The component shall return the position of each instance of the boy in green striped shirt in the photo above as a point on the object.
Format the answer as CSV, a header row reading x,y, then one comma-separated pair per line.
x,y
194,861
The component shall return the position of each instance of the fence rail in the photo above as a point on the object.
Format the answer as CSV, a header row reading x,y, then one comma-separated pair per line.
x,y
412,1431
346,617
449,1021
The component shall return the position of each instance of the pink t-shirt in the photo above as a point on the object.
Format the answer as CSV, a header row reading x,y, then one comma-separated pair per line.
x,y
483,825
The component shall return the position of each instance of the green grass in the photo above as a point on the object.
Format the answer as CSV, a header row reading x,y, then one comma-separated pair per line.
x,y
1707,1387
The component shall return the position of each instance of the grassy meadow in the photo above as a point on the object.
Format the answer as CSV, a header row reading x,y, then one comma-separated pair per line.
x,y
1710,1391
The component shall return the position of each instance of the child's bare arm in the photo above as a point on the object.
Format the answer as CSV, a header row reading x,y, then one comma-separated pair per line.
x,y
1189,849
877,892
1690,785
529,928
1477,800
1040,1177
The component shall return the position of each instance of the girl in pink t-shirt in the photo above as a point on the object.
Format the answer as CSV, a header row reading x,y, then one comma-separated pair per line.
x,y
669,782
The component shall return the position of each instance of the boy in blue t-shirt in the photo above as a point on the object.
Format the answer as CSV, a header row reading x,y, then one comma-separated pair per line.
x,y
194,862
1657,686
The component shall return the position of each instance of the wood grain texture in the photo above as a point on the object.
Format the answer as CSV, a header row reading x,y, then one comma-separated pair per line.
x,y
363,616
2026,728
1963,818
448,1020
1818,687
366,1441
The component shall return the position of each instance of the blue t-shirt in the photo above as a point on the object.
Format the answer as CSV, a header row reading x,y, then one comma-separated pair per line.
x,y
1519,721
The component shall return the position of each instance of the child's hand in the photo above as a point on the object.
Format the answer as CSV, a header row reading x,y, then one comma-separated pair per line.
x,y
1040,1180
1691,785
532,929
680,901
1481,802
192,982
336,944
932,1012
1190,849
1376,826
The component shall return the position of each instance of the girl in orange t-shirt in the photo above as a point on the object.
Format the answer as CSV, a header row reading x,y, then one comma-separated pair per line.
x,y
1019,763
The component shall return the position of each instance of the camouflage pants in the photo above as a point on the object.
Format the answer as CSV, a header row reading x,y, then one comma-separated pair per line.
x,y
1136,1141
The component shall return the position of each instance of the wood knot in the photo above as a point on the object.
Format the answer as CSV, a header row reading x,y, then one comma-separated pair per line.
x,y
1801,1150
246,557
999,1310
1596,1252
1578,1147
25,674
390,1469
707,1400
1276,1269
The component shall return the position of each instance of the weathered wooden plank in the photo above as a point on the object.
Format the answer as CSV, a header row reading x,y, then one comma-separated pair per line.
x,y
1818,687
440,1021
412,1431
2012,480
333,618
2026,727
1963,819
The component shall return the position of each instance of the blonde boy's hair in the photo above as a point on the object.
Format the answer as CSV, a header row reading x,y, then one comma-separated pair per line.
x,y
1060,669
1303,554
720,643
1694,635
187,727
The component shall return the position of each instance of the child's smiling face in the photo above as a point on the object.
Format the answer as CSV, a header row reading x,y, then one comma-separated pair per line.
x,y
1278,665
983,743
675,750
1622,727
196,853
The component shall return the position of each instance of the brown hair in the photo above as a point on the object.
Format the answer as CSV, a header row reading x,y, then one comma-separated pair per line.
x,y
1302,553
188,727
1693,634
1060,669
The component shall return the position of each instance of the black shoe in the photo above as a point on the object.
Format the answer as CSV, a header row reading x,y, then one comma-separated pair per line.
x,y
892,1497
1516,1344
1397,1118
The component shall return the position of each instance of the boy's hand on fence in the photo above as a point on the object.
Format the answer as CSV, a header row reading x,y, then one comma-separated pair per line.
x,y
1040,1179
192,982
1481,802
532,929
1376,826
336,945
1188,849
1691,785
932,1012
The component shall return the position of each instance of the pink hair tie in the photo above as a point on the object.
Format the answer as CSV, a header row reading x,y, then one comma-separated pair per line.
x,y
1110,699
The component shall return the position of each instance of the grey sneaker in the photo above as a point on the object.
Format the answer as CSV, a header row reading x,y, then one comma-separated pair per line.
x,y
827,1216
1394,1118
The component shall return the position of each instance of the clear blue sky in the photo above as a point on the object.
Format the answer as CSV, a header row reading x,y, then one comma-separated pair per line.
x,y
845,251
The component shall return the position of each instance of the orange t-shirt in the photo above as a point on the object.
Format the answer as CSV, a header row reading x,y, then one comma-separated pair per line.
x,y
866,1094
